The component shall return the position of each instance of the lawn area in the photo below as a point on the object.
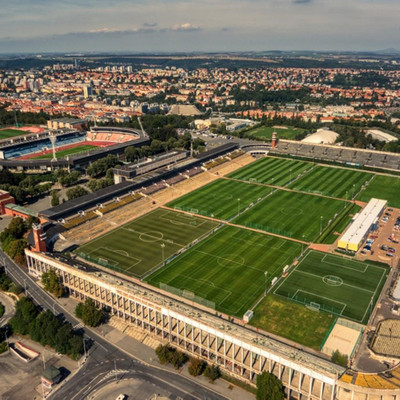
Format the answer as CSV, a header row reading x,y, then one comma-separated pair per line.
x,y
67,152
221,199
265,132
382,187
7,133
333,182
136,248
272,171
292,321
228,268
335,284
292,214
338,226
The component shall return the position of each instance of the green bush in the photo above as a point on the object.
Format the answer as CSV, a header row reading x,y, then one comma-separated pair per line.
x,y
196,366
212,372
339,358
167,354
269,387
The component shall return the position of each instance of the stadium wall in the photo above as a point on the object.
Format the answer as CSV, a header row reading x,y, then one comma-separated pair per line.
x,y
238,351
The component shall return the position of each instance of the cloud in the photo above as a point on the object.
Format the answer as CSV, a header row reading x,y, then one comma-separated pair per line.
x,y
302,1
185,27
150,24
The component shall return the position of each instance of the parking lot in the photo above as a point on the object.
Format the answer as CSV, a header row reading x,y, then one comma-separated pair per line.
x,y
384,244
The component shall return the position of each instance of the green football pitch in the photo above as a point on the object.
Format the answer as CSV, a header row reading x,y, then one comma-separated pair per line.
x,y
272,171
382,187
329,181
67,152
221,199
228,268
141,245
291,214
7,133
265,132
337,285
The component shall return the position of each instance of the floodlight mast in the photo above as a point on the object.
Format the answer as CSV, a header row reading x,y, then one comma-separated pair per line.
x,y
53,139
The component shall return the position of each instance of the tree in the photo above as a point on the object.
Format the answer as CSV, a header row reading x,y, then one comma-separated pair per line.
x,y
212,372
16,228
76,192
167,354
339,358
55,198
163,353
51,283
25,313
196,366
89,313
269,387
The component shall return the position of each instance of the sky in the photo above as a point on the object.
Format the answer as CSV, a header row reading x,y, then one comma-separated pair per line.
x,y
35,26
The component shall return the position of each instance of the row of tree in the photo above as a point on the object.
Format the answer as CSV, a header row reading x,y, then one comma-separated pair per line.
x,y
7,285
44,327
13,239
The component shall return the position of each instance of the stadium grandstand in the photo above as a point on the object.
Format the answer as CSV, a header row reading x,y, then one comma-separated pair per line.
x,y
339,154
74,149
156,179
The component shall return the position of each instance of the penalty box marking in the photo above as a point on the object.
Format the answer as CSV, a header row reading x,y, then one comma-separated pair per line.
x,y
175,219
115,263
319,296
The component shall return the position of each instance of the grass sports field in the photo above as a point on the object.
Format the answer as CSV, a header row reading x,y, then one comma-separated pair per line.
x,y
272,171
221,199
67,152
228,268
135,248
333,182
292,321
383,187
292,214
7,133
337,285
265,132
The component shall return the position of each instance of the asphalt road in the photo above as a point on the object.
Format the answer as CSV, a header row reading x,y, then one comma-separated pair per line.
x,y
9,308
103,357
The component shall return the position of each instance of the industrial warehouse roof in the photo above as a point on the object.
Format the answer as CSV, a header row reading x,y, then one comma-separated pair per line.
x,y
362,224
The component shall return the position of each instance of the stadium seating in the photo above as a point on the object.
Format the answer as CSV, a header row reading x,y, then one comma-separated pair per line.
x,y
41,145
339,154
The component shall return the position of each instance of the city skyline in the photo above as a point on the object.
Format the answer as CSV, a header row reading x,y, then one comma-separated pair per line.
x,y
189,25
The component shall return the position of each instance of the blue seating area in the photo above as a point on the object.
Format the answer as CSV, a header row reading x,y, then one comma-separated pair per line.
x,y
23,149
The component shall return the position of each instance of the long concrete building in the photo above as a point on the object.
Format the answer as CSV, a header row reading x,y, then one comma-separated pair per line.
x,y
237,349
357,232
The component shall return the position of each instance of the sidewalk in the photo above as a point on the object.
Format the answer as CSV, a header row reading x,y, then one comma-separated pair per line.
x,y
147,355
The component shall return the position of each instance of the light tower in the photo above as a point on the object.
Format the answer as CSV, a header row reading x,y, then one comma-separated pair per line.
x,y
274,139
53,139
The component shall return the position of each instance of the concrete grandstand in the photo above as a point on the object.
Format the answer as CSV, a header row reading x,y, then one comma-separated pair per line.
x,y
29,153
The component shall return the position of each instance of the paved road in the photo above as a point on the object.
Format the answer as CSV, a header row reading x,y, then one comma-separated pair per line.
x,y
104,357
8,304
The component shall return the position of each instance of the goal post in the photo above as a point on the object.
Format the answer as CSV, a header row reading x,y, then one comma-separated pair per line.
x,y
314,306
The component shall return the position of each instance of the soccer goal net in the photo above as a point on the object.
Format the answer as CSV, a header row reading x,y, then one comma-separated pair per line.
x,y
314,306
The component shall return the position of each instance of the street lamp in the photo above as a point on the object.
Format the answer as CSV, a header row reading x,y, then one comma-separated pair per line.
x,y
238,206
266,274
162,252
290,175
320,225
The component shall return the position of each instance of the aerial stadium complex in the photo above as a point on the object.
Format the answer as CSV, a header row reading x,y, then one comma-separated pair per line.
x,y
267,257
